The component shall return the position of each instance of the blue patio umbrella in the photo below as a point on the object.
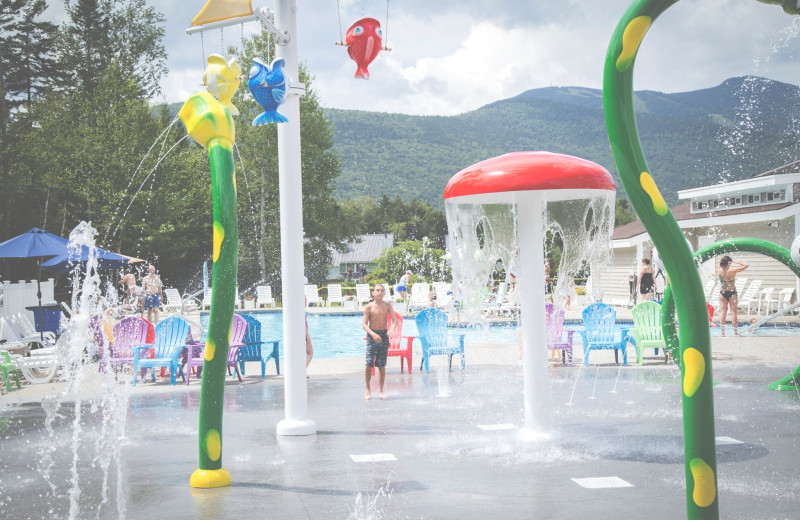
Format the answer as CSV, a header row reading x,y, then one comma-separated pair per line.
x,y
36,244
66,262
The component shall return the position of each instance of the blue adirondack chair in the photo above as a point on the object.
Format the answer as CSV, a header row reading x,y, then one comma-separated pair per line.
x,y
170,341
256,349
432,328
647,331
600,332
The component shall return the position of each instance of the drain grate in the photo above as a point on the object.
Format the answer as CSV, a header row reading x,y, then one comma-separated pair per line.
x,y
373,457
495,427
602,482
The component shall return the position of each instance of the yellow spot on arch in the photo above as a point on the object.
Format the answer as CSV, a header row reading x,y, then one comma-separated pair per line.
x,y
631,40
219,235
705,488
213,445
694,370
649,186
211,349
235,189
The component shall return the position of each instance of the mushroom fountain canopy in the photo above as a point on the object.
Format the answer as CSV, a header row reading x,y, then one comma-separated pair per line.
x,y
483,203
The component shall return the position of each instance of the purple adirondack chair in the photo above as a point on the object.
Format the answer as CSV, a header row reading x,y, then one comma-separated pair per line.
x,y
129,333
196,350
555,334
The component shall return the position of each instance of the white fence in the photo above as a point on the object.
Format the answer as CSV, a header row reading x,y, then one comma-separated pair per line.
x,y
16,296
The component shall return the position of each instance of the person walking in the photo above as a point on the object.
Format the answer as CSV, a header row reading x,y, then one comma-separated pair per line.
x,y
152,287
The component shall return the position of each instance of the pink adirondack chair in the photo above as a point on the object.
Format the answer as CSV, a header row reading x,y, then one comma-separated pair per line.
x,y
555,334
129,333
194,358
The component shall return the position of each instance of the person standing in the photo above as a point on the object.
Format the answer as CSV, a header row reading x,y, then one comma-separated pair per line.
x,y
129,285
376,319
362,274
727,292
402,286
349,273
647,281
151,285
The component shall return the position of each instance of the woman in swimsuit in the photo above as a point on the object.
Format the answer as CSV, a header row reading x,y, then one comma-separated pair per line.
x,y
727,292
647,282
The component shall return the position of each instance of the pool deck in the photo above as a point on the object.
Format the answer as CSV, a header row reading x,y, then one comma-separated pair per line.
x,y
613,447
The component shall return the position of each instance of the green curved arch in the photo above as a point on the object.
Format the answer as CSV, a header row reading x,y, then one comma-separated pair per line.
x,y
695,339
751,245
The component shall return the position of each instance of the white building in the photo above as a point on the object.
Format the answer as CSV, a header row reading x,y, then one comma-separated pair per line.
x,y
766,206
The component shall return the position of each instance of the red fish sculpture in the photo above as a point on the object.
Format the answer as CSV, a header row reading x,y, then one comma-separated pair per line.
x,y
364,41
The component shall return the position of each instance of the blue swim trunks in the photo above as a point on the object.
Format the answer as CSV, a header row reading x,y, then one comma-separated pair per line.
x,y
377,351
151,301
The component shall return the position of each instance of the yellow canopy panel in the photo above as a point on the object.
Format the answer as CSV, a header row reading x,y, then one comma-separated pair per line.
x,y
218,10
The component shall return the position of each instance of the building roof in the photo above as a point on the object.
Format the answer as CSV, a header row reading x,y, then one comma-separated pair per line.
x,y
683,212
364,250
793,167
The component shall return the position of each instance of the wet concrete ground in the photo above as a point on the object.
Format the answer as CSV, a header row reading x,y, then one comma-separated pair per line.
x,y
418,455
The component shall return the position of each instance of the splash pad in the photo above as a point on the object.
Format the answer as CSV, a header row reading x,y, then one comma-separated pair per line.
x,y
499,209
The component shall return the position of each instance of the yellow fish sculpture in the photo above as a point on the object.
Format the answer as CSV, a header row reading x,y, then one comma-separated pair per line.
x,y
222,78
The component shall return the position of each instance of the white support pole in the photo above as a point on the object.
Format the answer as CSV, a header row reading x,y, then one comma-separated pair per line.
x,y
530,277
296,420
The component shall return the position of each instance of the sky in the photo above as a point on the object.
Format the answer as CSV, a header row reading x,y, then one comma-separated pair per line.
x,y
453,56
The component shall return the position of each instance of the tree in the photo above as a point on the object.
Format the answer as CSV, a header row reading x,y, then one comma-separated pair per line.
x,y
125,32
423,260
26,67
407,221
623,214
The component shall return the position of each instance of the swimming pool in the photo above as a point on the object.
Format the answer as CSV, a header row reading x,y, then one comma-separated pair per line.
x,y
341,336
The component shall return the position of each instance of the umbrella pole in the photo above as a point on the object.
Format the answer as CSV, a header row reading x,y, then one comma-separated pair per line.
x,y
39,296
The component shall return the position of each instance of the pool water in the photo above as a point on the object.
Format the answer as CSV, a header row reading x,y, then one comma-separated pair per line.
x,y
341,336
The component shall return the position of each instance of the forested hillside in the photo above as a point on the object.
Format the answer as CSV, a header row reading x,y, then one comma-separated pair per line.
x,y
737,129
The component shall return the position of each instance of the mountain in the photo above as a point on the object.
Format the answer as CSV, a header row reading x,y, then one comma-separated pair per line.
x,y
737,129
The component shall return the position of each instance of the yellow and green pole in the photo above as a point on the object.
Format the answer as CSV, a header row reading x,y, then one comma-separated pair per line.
x,y
209,123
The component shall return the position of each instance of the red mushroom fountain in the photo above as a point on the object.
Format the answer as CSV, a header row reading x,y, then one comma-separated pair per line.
x,y
499,209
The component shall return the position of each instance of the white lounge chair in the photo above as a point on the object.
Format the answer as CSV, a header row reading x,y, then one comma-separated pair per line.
x,y
26,332
264,296
42,364
750,296
363,295
708,290
312,295
784,299
765,299
174,302
335,294
419,296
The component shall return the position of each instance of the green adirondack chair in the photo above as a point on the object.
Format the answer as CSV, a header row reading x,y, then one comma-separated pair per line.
x,y
647,329
8,369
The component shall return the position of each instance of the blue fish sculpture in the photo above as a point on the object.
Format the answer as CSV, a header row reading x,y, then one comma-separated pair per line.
x,y
268,85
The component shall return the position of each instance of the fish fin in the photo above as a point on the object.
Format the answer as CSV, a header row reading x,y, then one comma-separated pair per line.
x,y
268,117
362,73
234,111
278,96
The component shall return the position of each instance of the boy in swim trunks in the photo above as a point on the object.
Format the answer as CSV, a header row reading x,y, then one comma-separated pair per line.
x,y
376,315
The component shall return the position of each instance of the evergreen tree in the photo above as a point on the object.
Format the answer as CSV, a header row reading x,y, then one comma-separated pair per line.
x,y
125,32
